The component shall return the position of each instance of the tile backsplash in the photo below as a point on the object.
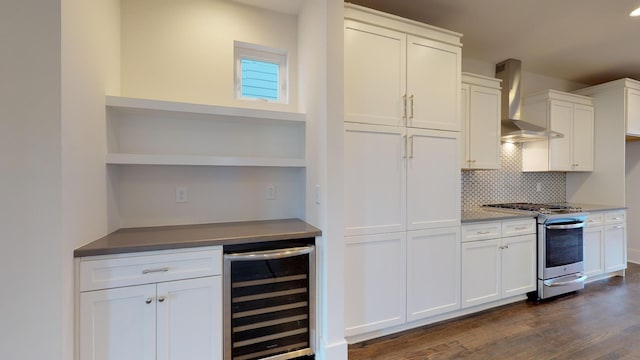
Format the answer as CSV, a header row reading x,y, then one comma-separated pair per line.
x,y
510,184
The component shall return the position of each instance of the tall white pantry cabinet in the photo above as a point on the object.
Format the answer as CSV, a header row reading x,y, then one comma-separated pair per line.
x,y
402,173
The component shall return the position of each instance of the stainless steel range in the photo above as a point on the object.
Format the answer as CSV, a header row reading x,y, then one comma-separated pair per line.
x,y
560,246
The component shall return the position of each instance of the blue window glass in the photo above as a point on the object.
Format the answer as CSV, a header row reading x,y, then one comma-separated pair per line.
x,y
260,79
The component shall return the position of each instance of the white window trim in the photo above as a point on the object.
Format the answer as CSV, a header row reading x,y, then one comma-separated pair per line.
x,y
244,50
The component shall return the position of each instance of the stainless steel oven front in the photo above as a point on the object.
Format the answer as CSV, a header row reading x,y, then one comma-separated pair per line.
x,y
560,254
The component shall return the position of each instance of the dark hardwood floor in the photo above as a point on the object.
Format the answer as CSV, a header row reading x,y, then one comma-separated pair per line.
x,y
600,322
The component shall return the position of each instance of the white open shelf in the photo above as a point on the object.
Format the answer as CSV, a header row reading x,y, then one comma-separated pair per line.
x,y
199,160
154,132
150,106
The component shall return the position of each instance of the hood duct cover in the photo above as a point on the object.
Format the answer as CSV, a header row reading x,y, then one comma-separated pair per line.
x,y
514,129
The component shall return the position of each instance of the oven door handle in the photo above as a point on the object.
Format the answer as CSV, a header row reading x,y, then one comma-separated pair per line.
x,y
269,254
580,277
565,226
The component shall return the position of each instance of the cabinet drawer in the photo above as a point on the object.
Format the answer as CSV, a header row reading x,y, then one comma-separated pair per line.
x,y
595,219
614,217
481,231
518,227
145,268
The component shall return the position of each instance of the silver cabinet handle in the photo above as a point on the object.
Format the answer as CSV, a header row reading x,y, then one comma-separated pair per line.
x,y
148,301
411,142
521,228
404,154
483,232
616,218
618,227
404,102
269,254
161,299
411,100
158,270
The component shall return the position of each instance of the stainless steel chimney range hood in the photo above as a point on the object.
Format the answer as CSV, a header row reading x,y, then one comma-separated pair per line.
x,y
513,129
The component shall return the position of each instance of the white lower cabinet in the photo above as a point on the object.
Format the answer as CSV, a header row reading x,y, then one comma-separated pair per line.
x,y
593,242
163,320
395,278
605,242
433,272
498,260
481,272
375,287
615,241
118,324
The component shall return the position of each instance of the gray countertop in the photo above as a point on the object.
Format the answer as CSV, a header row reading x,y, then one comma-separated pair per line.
x,y
483,214
185,236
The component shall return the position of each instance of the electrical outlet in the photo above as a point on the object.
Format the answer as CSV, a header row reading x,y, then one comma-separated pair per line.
x,y
270,192
181,194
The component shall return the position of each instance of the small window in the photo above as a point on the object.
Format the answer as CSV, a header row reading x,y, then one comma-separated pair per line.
x,y
261,73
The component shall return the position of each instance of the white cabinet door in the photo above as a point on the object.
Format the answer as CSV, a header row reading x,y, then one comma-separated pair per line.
x,y
118,324
374,74
569,114
465,118
593,250
375,282
433,179
633,111
433,272
483,131
561,114
375,179
433,84
615,247
190,319
518,265
582,137
481,271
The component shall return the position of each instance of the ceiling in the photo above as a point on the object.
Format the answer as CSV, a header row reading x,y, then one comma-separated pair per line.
x,y
586,41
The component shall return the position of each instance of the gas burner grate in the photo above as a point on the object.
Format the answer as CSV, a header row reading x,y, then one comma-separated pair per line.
x,y
539,208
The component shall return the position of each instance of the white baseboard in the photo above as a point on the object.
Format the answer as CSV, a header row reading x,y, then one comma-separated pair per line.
x,y
633,255
335,351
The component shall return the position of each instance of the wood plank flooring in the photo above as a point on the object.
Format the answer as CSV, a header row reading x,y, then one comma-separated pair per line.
x,y
600,322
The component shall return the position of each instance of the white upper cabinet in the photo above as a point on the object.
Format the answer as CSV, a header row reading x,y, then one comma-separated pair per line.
x,y
632,95
569,114
400,72
433,84
374,74
480,105
433,179
375,179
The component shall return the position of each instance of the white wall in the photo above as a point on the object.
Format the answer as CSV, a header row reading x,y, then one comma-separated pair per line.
x,y
30,175
183,50
90,67
321,96
531,82
632,159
